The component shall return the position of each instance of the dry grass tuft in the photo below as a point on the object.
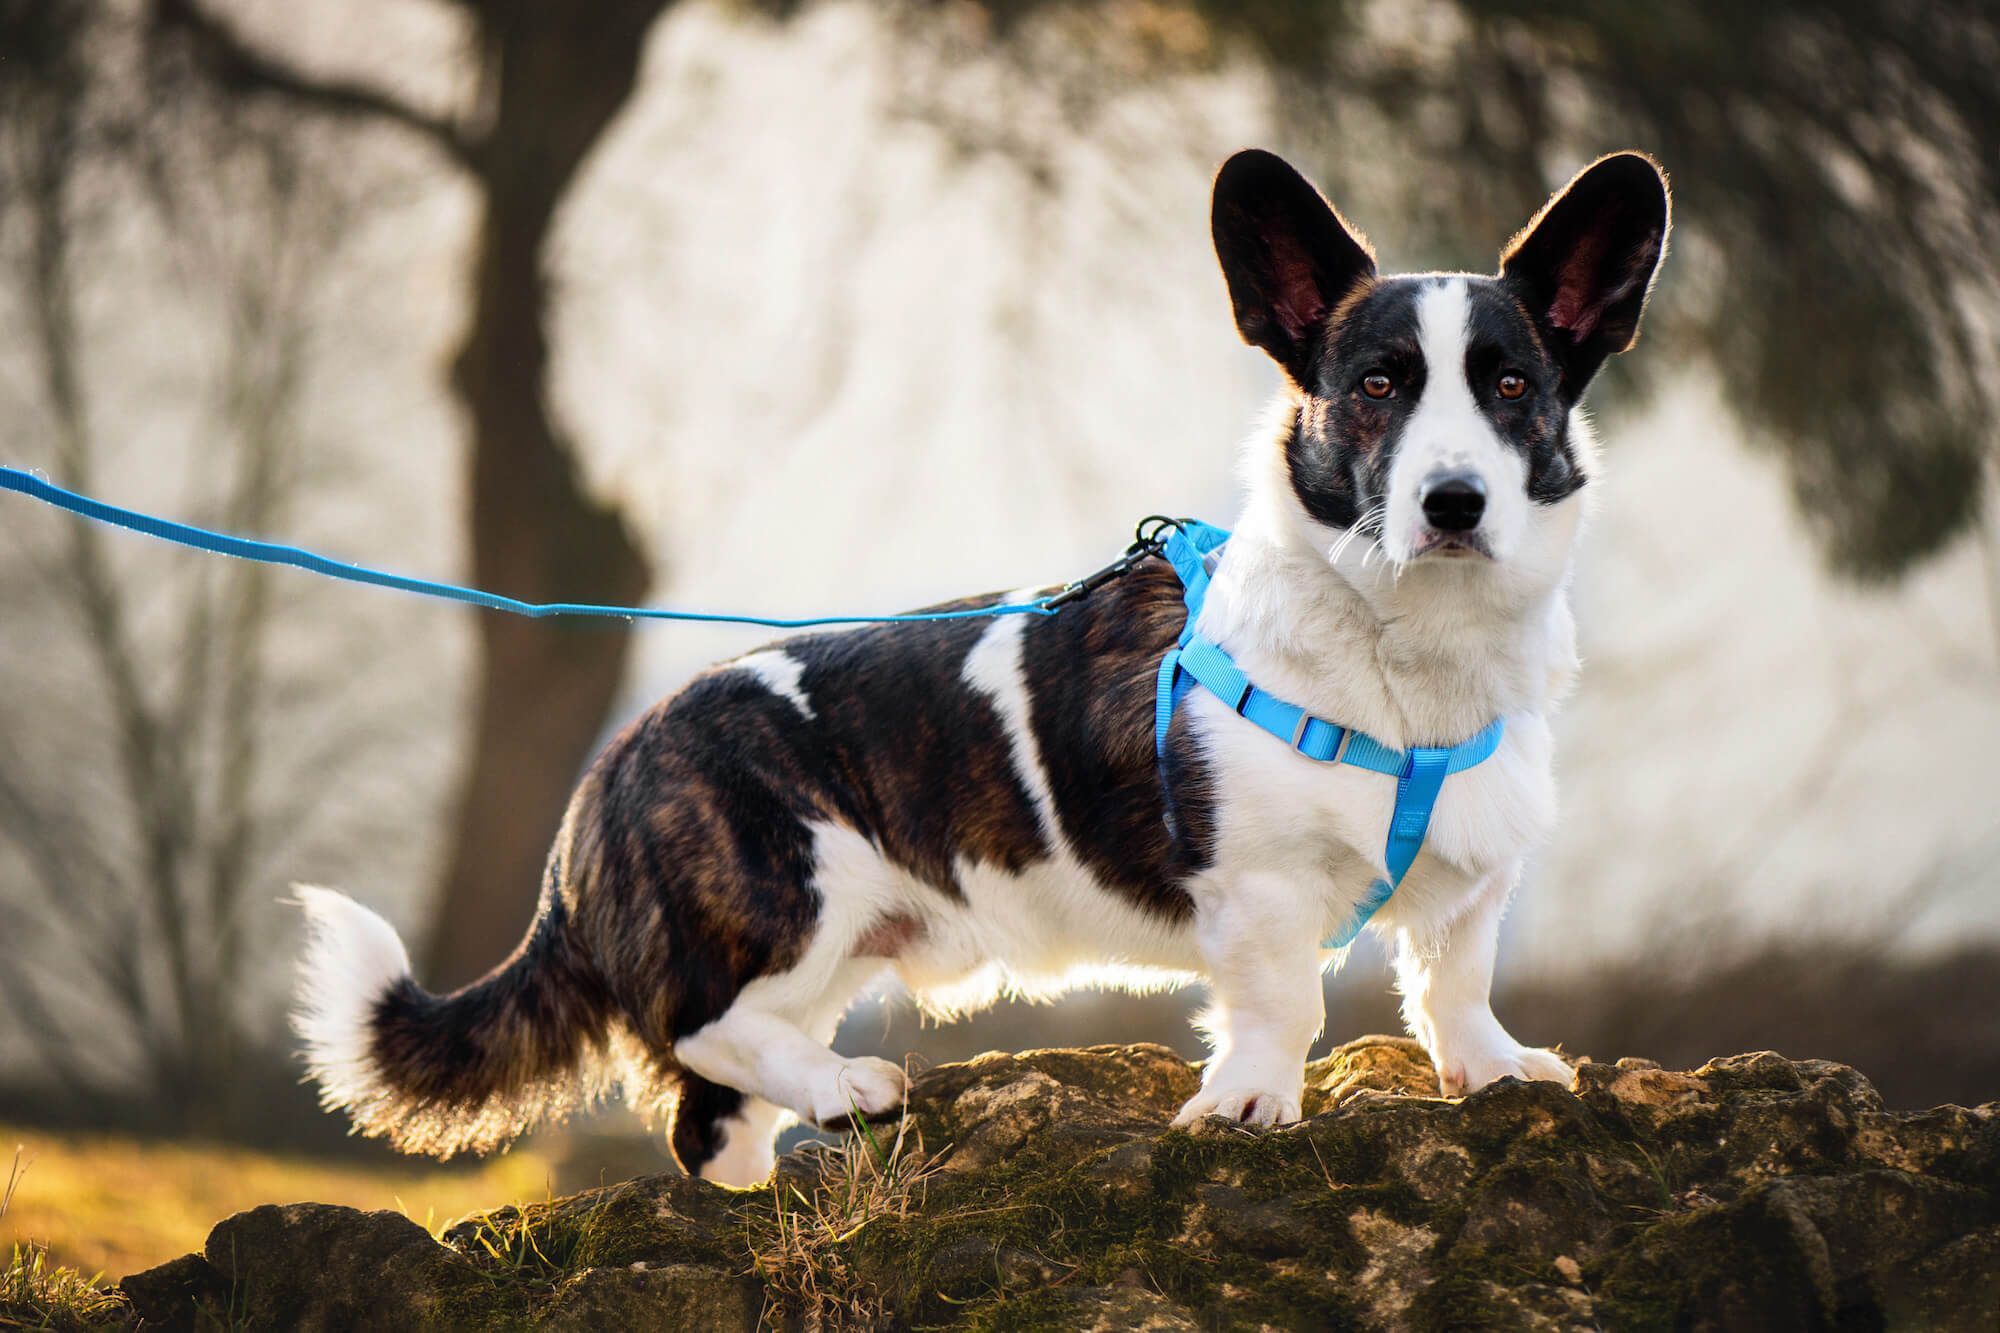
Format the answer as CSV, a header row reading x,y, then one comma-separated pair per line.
x,y
14,1174
803,1247
533,1249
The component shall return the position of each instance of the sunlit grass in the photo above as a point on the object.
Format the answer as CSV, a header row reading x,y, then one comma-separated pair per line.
x,y
111,1205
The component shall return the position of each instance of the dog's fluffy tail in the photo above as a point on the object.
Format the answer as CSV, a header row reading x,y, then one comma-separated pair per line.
x,y
442,1074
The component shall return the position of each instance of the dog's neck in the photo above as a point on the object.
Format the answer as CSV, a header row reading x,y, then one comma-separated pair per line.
x,y
1424,657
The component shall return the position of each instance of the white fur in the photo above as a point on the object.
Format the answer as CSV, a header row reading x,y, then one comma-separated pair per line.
x,y
779,671
1414,649
352,958
748,1150
1448,433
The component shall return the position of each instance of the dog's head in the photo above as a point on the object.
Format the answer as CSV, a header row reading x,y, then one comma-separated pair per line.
x,y
1434,420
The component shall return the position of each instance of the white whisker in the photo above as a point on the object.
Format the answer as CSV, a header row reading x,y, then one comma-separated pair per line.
x,y
1363,523
1367,524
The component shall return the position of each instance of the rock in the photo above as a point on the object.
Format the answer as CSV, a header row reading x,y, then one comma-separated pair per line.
x,y
1393,1065
1060,1105
1044,1191
679,1298
654,1220
314,1266
182,1294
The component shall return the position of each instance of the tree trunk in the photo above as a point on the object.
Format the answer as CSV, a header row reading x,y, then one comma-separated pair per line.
x,y
559,74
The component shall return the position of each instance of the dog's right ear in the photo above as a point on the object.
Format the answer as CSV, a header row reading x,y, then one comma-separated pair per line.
x,y
1288,257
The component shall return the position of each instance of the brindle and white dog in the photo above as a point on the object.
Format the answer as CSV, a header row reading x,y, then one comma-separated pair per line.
x,y
975,805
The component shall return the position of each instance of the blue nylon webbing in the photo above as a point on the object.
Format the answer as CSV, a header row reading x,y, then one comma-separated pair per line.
x,y
276,553
1419,771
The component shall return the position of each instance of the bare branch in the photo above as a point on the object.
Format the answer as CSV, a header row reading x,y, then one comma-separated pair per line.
x,y
235,64
38,1024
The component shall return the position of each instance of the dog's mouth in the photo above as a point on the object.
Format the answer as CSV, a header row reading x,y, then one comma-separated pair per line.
x,y
1452,546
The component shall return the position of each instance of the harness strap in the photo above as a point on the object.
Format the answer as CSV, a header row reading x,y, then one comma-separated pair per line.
x,y
1419,771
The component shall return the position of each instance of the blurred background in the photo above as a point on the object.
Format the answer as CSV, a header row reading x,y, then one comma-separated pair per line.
x,y
848,306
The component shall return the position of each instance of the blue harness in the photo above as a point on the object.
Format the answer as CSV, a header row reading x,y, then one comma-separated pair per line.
x,y
1419,771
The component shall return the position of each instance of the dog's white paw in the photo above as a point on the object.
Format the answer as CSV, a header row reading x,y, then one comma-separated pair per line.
x,y
865,1086
1246,1106
1475,1069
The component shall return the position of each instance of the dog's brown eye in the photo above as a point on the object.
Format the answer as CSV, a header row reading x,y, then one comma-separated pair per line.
x,y
1512,386
1377,386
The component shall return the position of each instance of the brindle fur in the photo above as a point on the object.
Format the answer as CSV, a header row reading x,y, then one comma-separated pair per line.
x,y
684,868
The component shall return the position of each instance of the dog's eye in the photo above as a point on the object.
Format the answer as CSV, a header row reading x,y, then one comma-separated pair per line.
x,y
1512,386
1378,386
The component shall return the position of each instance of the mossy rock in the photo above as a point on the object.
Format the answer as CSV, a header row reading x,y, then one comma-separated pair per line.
x,y
1044,1191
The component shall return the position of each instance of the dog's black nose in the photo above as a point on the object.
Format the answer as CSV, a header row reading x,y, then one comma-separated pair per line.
x,y
1455,503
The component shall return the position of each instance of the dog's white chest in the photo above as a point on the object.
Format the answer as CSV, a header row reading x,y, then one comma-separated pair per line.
x,y
1325,825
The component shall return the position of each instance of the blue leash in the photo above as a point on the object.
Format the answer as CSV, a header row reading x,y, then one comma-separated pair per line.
x,y
276,553
1186,543
1419,771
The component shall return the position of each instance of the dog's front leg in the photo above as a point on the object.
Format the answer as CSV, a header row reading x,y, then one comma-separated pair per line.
x,y
1265,1007
1446,977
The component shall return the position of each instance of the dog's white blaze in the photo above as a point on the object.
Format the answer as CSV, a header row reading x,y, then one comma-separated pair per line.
x,y
1052,927
1049,929
1448,433
993,667
351,960
781,674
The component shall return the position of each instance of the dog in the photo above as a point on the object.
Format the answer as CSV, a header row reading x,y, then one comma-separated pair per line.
x,y
982,806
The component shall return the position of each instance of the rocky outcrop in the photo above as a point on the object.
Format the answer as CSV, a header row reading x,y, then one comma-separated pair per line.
x,y
1044,1191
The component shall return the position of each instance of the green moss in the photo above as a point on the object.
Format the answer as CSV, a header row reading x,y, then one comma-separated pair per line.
x,y
1258,1297
1337,1207
1469,1292
523,1256
1030,1313
1679,1266
622,1225
492,1308
1098,1234
1267,1166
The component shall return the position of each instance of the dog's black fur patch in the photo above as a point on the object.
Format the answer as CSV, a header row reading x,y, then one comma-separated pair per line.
x,y
685,870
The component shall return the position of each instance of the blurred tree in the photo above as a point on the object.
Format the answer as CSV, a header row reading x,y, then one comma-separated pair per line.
x,y
157,758
550,78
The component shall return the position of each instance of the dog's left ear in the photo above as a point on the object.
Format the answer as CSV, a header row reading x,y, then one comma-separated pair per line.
x,y
1288,257
1583,267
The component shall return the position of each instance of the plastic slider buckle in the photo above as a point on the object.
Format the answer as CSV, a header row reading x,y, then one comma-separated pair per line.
x,y
1306,720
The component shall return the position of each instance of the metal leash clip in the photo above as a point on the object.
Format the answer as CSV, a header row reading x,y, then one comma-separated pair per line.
x,y
1147,540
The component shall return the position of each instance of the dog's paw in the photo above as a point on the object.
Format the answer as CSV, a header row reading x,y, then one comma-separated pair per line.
x,y
865,1086
1478,1068
1245,1106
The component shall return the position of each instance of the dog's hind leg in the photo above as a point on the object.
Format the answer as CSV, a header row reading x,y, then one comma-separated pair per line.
x,y
765,1061
771,1057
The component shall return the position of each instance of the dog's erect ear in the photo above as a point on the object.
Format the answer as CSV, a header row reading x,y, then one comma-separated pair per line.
x,y
1288,257
1584,265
